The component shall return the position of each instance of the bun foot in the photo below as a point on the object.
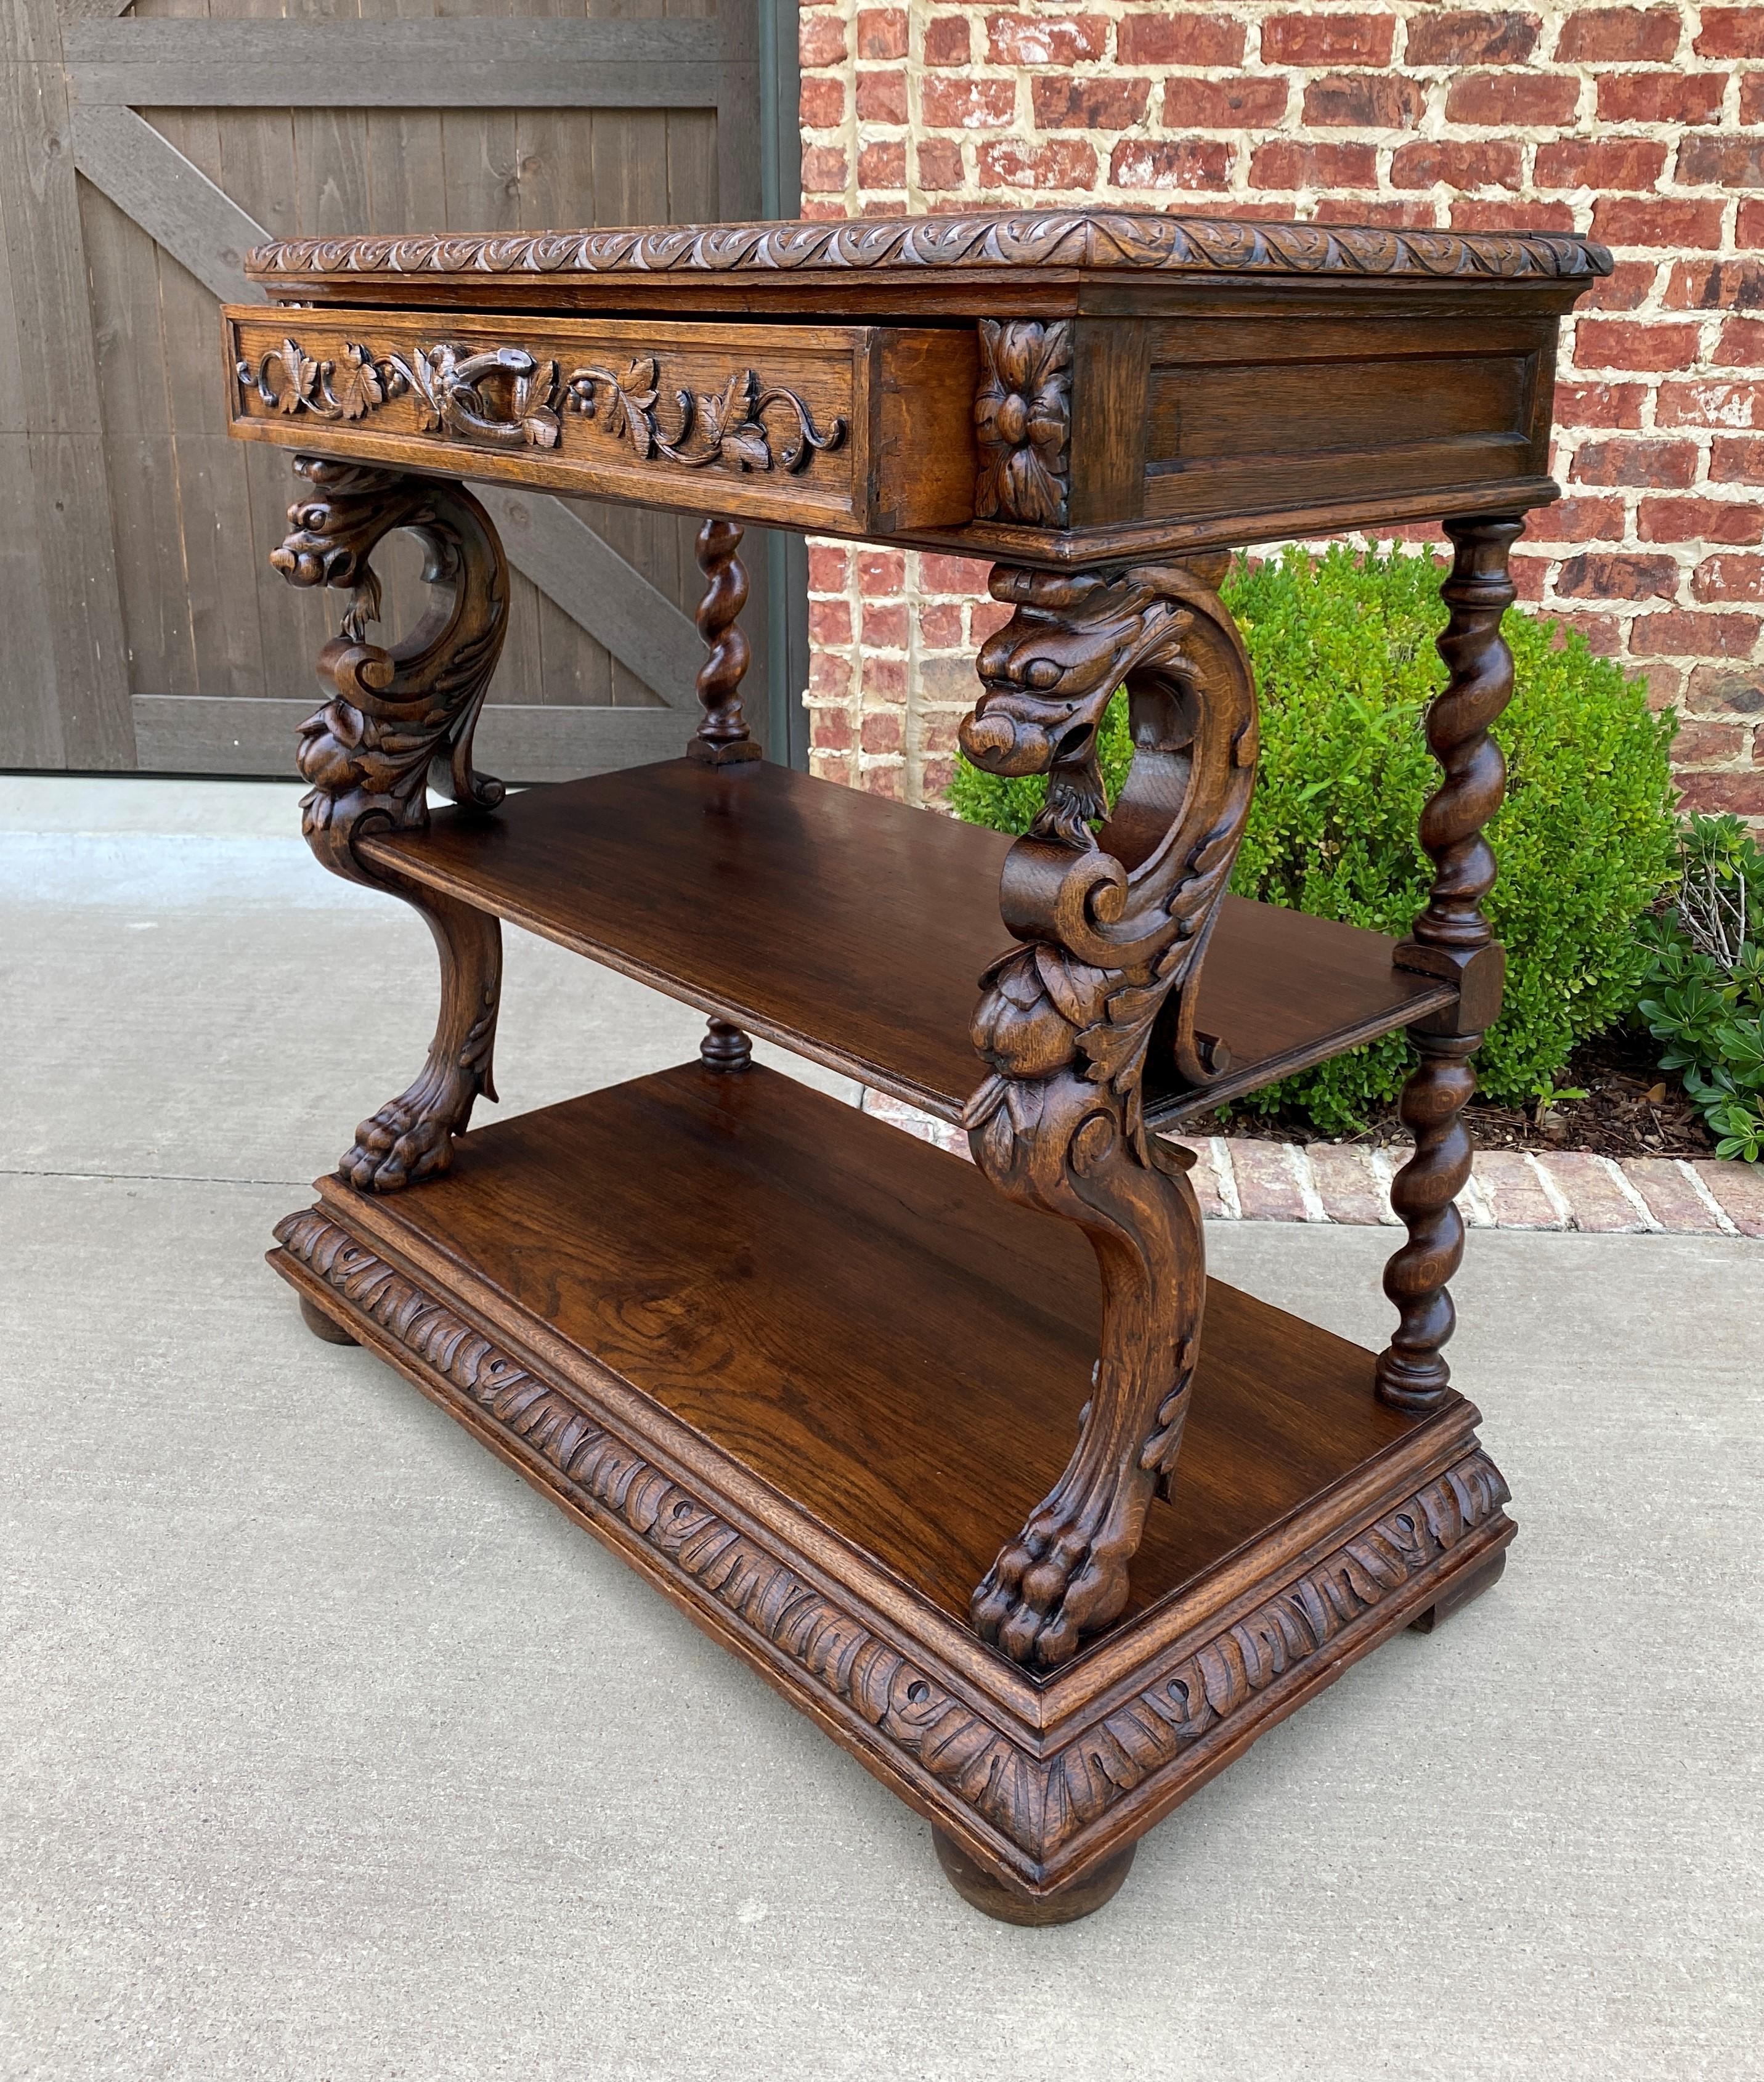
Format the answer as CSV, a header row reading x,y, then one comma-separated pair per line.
x,y
1006,1904
324,1326
1459,1591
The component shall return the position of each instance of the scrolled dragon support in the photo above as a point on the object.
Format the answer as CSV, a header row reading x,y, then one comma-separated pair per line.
x,y
1112,927
397,722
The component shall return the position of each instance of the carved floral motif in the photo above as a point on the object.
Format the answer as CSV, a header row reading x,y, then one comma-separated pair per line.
x,y
456,396
1106,239
290,381
505,397
1022,419
731,423
1039,1804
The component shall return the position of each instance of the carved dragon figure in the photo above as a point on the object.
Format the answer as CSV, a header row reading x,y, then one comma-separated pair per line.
x,y
399,721
1113,929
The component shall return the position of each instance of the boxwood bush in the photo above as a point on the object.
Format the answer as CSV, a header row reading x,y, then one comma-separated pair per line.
x,y
1342,646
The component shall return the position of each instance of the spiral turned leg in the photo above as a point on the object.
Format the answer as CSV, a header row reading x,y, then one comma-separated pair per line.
x,y
1411,1373
1452,939
722,738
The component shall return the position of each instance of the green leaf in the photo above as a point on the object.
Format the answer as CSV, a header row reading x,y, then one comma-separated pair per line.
x,y
1342,646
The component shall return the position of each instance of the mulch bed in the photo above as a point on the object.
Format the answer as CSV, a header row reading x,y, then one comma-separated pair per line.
x,y
1632,1108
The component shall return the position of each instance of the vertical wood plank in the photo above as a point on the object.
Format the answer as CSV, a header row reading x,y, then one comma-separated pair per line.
x,y
739,110
481,191
53,375
214,494
259,171
30,721
130,344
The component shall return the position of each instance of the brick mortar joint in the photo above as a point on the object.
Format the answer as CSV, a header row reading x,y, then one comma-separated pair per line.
x,y
1732,1205
1653,179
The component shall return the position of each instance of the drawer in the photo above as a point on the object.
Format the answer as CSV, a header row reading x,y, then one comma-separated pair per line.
x,y
855,430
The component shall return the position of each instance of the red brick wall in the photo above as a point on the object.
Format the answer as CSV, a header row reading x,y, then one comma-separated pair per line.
x,y
1644,125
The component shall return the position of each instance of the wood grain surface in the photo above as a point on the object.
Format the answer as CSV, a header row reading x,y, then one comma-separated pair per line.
x,y
862,1322
855,929
851,428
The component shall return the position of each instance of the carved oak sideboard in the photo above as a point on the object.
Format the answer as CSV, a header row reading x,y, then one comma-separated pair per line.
x,y
1039,1523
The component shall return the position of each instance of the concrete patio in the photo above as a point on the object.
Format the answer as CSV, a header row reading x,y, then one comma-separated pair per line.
x,y
331,1748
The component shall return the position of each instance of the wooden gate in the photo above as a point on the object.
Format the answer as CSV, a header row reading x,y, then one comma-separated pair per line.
x,y
142,154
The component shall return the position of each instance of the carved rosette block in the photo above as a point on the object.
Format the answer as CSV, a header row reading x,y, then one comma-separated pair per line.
x,y
1451,939
1022,420
723,738
400,721
1114,931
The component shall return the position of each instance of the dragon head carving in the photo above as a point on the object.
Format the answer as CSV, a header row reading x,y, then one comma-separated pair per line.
x,y
1049,674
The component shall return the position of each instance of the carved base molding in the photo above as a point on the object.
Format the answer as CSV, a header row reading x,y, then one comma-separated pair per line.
x,y
1039,1782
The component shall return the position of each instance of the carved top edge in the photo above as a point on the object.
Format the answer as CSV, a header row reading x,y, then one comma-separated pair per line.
x,y
1069,238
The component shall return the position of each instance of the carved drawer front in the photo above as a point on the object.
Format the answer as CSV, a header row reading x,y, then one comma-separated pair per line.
x,y
852,429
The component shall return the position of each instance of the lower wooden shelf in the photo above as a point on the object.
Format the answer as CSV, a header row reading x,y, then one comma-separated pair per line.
x,y
808,1374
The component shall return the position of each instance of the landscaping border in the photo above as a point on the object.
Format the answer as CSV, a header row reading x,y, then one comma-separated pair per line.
x,y
1239,1179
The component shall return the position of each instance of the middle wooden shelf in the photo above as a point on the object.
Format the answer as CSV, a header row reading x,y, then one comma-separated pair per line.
x,y
853,930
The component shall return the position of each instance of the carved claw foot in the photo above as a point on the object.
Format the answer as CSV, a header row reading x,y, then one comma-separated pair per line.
x,y
410,1138
1066,1572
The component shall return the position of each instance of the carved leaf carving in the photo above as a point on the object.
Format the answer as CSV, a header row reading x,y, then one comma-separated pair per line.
x,y
357,385
290,377
504,396
1022,418
1042,1803
1106,239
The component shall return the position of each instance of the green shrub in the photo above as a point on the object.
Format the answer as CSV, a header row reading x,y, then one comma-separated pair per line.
x,y
1343,649
1705,981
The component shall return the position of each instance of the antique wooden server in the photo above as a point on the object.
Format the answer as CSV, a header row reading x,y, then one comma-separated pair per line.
x,y
990,1506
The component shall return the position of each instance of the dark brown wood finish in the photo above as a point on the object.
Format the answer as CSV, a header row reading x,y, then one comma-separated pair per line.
x,y
817,1380
722,739
804,1373
398,722
1451,939
1114,927
781,266
854,930
798,424
1145,384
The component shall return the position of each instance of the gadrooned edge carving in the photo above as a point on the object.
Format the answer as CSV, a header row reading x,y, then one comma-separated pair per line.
x,y
1037,1804
1016,238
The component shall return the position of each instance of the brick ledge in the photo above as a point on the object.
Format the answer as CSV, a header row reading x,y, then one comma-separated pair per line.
x,y
1345,1183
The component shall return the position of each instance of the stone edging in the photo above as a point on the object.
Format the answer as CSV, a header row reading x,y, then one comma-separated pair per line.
x,y
1240,1180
